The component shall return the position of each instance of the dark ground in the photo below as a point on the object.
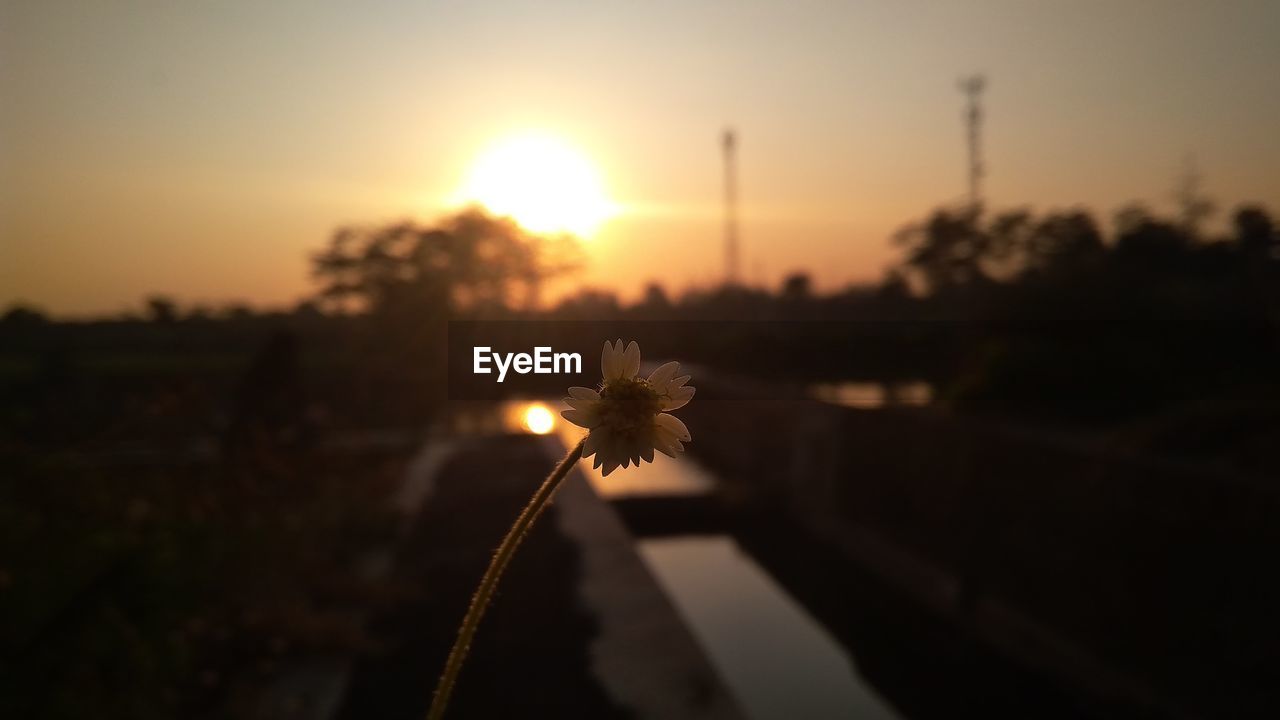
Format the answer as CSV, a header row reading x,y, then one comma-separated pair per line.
x,y
530,657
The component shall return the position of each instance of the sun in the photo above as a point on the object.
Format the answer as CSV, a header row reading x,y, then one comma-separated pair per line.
x,y
540,181
538,419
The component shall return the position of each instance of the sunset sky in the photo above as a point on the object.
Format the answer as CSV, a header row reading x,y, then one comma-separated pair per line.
x,y
203,149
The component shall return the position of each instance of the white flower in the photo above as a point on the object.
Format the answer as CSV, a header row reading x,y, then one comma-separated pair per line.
x,y
626,418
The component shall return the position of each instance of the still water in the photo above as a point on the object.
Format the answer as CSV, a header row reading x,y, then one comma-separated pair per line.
x,y
773,656
874,395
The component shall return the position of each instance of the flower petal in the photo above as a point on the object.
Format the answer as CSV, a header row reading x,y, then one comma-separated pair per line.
x,y
666,446
678,398
582,393
659,378
576,404
664,440
631,360
646,452
609,467
608,360
581,418
672,424
680,381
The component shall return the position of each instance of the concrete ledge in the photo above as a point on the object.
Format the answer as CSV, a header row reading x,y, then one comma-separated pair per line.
x,y
644,655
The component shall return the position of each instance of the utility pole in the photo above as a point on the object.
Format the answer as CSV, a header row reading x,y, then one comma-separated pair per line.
x,y
972,88
1194,207
729,146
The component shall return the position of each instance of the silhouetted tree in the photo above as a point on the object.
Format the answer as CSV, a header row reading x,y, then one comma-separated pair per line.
x,y
199,313
1130,217
1149,244
654,303
1091,329
894,287
467,262
161,309
1255,233
589,304
655,296
797,288
950,250
307,310
1065,241
1009,239
23,316
409,279
238,311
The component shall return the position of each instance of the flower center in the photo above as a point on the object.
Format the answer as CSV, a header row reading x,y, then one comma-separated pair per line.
x,y
628,406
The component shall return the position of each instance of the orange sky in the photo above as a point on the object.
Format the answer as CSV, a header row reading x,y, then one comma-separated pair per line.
x,y
203,149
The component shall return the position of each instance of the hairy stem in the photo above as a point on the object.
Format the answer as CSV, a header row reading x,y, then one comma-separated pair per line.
x,y
489,583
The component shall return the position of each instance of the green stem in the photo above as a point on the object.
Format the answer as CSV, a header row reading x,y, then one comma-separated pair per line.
x,y
489,583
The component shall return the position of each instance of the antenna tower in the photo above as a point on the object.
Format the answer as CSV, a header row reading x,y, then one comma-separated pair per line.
x,y
729,145
972,88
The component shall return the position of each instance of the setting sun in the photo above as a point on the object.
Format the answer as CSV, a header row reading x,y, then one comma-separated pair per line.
x,y
538,419
543,183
